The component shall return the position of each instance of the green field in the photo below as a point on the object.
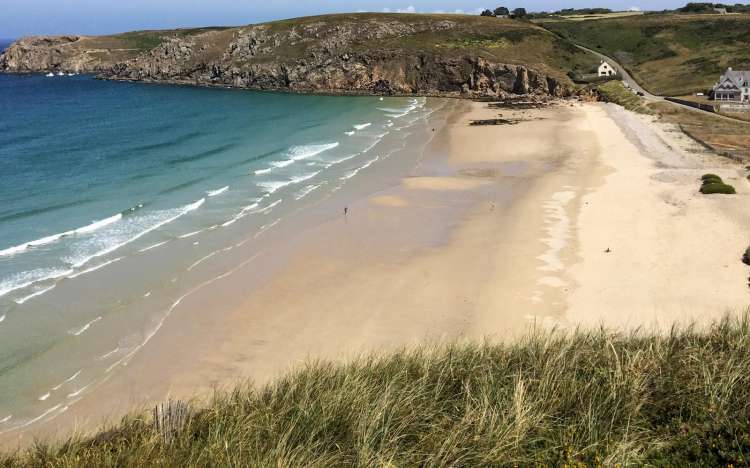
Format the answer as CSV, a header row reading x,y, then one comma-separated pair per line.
x,y
553,399
669,54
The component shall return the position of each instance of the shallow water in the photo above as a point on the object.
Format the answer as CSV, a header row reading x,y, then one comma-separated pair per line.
x,y
118,199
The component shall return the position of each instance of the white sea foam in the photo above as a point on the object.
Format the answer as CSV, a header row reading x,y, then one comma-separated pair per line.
x,y
109,354
191,234
350,133
6,419
151,247
233,220
266,227
252,206
109,240
2,318
68,380
83,329
363,126
374,144
38,418
356,171
45,396
125,359
263,171
308,190
299,153
78,392
213,193
270,207
98,224
244,212
55,237
191,267
283,163
94,268
345,158
398,113
32,296
275,185
28,278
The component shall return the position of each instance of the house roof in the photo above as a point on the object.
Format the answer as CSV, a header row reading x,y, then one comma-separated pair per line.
x,y
734,79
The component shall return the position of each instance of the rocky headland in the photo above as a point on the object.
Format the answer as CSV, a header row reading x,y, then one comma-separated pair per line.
x,y
427,55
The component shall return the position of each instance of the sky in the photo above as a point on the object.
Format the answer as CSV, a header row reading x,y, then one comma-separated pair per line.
x,y
26,17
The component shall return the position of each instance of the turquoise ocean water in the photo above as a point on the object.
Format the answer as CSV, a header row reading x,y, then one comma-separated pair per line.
x,y
117,198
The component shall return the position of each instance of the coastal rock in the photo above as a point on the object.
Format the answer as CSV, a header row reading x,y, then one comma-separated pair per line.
x,y
59,53
314,56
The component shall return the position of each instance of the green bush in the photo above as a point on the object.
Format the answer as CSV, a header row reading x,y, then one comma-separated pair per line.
x,y
710,176
717,187
746,257
712,181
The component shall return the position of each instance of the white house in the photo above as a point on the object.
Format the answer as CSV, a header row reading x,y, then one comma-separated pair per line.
x,y
606,69
734,85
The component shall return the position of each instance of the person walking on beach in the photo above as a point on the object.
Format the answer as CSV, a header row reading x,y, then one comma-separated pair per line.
x,y
346,210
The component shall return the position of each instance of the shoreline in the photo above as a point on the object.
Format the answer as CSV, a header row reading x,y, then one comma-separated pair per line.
x,y
457,95
497,230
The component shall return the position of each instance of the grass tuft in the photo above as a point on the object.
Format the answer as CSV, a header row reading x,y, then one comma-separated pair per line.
x,y
592,398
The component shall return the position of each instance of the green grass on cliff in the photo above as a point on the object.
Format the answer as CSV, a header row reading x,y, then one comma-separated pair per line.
x,y
503,41
597,399
670,54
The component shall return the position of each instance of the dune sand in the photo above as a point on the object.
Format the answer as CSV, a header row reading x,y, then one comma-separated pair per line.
x,y
581,215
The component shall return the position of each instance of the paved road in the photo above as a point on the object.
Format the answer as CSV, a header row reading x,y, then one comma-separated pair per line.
x,y
624,75
627,78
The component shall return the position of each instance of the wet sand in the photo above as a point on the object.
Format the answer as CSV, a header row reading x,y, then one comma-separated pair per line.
x,y
497,231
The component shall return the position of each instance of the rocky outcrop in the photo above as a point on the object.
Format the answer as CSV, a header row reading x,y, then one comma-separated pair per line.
x,y
57,53
317,56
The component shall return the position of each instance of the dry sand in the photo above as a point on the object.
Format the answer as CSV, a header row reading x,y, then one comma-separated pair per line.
x,y
675,254
500,229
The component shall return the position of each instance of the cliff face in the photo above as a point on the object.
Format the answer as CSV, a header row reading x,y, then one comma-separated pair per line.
x,y
66,53
349,54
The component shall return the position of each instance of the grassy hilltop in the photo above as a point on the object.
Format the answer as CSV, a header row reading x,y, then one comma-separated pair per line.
x,y
364,53
515,42
669,54
553,400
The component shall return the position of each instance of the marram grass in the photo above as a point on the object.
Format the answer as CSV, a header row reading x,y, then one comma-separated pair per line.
x,y
553,399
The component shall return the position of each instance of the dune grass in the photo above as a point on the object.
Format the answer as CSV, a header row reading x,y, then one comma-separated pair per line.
x,y
593,398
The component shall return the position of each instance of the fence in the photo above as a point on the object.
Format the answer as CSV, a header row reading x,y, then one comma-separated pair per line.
x,y
697,105
734,107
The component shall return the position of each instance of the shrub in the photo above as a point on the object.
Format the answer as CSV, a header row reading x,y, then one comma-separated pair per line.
x,y
746,257
712,181
717,187
710,176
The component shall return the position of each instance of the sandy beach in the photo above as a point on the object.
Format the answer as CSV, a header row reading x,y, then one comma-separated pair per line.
x,y
580,215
